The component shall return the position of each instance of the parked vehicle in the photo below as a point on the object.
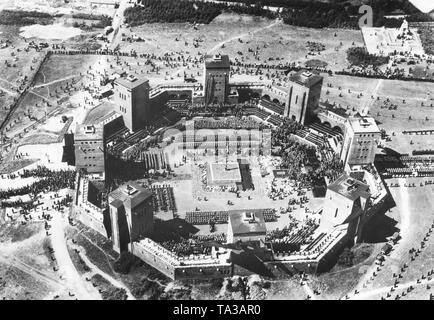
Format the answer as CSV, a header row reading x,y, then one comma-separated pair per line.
x,y
380,258
395,237
386,248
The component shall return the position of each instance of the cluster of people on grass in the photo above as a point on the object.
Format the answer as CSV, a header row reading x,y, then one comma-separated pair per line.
x,y
375,72
50,181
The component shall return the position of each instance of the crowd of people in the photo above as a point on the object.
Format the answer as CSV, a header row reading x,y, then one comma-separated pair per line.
x,y
293,236
215,237
49,181
295,156
221,217
204,217
164,198
185,247
226,123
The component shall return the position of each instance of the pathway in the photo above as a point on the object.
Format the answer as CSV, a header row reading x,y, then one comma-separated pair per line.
x,y
97,270
82,289
55,81
367,104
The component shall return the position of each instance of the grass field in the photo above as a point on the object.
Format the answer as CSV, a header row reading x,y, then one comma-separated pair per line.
x,y
24,287
286,290
235,34
414,214
25,269
48,96
10,167
238,33
336,283
60,67
408,96
101,254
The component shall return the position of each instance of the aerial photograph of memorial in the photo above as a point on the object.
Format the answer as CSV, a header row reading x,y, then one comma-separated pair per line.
x,y
216,150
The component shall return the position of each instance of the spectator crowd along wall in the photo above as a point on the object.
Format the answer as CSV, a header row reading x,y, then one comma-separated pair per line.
x,y
216,265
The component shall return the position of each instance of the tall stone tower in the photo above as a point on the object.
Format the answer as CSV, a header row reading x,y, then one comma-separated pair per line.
x,y
216,79
131,215
131,96
303,96
360,142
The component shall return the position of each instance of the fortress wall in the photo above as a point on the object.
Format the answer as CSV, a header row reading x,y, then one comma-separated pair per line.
x,y
158,262
177,271
330,257
91,221
201,272
283,269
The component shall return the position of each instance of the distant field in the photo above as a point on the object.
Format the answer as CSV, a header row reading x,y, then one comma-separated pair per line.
x,y
54,7
21,17
59,67
10,167
56,72
288,43
5,101
411,92
20,258
414,216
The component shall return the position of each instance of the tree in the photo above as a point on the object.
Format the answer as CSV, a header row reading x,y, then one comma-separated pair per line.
x,y
125,263
359,56
346,258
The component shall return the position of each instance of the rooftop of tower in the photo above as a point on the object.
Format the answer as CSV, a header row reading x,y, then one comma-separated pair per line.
x,y
350,188
217,61
131,194
131,81
364,125
306,78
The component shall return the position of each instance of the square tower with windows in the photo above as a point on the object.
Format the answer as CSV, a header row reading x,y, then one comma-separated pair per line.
x,y
131,96
131,215
360,142
347,202
216,79
303,96
89,149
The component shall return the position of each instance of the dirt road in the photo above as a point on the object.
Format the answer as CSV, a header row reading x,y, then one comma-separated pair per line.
x,y
82,289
